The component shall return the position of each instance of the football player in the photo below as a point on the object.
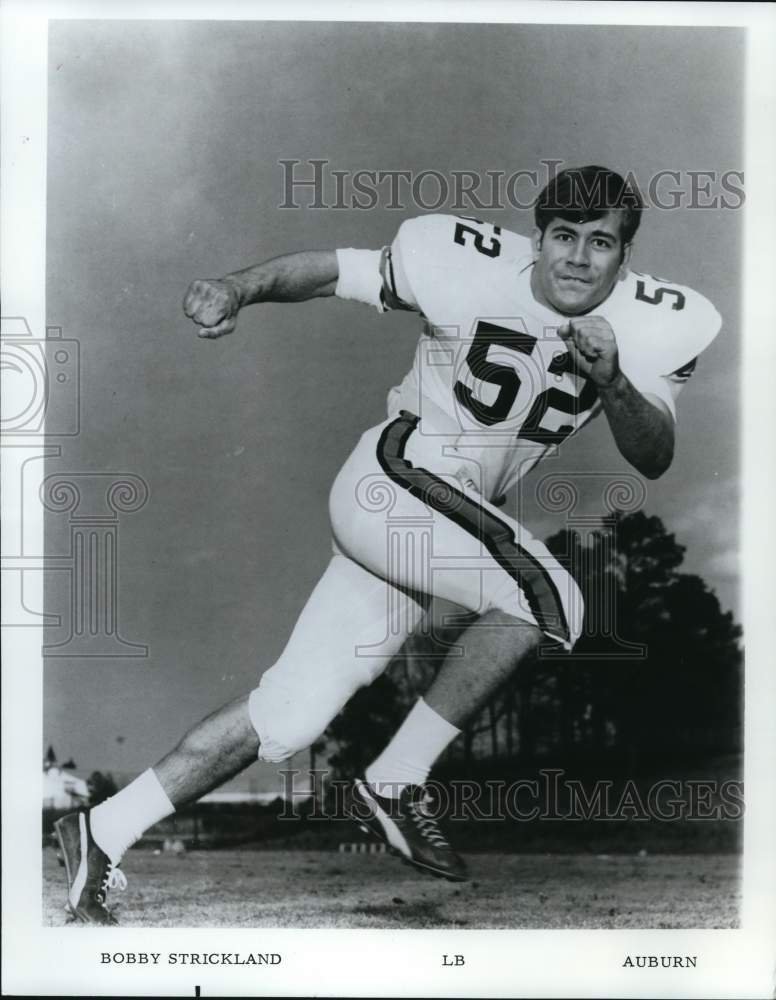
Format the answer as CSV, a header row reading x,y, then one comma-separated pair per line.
x,y
523,342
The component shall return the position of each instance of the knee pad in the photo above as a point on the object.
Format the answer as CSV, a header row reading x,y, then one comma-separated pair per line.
x,y
289,713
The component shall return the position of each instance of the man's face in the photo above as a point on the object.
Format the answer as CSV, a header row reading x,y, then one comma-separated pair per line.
x,y
578,263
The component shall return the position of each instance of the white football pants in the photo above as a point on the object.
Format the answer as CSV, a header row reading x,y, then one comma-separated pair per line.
x,y
402,533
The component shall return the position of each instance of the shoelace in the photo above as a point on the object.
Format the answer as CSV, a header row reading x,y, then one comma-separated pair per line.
x,y
114,879
427,824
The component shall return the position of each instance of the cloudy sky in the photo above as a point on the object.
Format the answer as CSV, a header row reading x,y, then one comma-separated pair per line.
x,y
164,149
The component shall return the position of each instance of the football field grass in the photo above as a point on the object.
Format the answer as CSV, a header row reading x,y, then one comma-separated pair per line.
x,y
315,889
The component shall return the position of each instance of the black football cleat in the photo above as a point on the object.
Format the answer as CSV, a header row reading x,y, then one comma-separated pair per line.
x,y
90,873
408,829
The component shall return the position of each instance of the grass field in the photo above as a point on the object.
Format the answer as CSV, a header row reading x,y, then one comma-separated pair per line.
x,y
314,889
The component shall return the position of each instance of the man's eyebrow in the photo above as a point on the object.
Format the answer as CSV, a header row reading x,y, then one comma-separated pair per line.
x,y
562,228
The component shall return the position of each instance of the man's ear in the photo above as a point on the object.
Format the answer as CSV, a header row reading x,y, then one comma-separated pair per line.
x,y
536,241
625,262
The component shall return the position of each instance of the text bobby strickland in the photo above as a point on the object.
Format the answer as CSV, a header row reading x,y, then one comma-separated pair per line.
x,y
189,958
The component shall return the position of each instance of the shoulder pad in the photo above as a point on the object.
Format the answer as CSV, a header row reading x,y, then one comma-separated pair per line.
x,y
444,256
423,234
450,233
660,323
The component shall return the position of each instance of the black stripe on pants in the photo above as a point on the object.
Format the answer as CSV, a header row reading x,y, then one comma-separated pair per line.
x,y
497,537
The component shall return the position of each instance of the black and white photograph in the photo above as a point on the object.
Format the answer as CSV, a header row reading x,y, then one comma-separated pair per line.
x,y
386,543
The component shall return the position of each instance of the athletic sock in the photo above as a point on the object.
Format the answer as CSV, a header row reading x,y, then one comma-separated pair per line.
x,y
122,819
410,755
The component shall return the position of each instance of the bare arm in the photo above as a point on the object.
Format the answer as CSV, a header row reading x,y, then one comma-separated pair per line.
x,y
213,303
642,427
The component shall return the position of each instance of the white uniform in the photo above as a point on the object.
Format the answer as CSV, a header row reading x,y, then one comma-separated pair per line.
x,y
413,515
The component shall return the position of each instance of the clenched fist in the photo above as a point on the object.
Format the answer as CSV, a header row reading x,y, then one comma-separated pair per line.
x,y
593,348
213,304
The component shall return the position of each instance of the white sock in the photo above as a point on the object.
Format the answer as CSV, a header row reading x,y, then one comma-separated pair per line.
x,y
410,755
122,819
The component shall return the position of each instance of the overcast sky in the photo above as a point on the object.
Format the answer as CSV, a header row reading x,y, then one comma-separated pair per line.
x,y
164,147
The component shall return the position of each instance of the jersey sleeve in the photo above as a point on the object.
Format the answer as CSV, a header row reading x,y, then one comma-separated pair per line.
x,y
423,271
379,277
359,278
375,277
665,387
659,337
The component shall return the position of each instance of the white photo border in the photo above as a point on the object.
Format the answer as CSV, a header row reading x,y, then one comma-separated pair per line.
x,y
740,962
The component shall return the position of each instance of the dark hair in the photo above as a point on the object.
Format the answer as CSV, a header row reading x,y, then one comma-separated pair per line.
x,y
583,194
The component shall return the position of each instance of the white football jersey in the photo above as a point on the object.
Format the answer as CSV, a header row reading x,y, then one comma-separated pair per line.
x,y
492,380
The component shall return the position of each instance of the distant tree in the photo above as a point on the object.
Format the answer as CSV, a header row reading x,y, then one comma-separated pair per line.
x,y
101,786
685,693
